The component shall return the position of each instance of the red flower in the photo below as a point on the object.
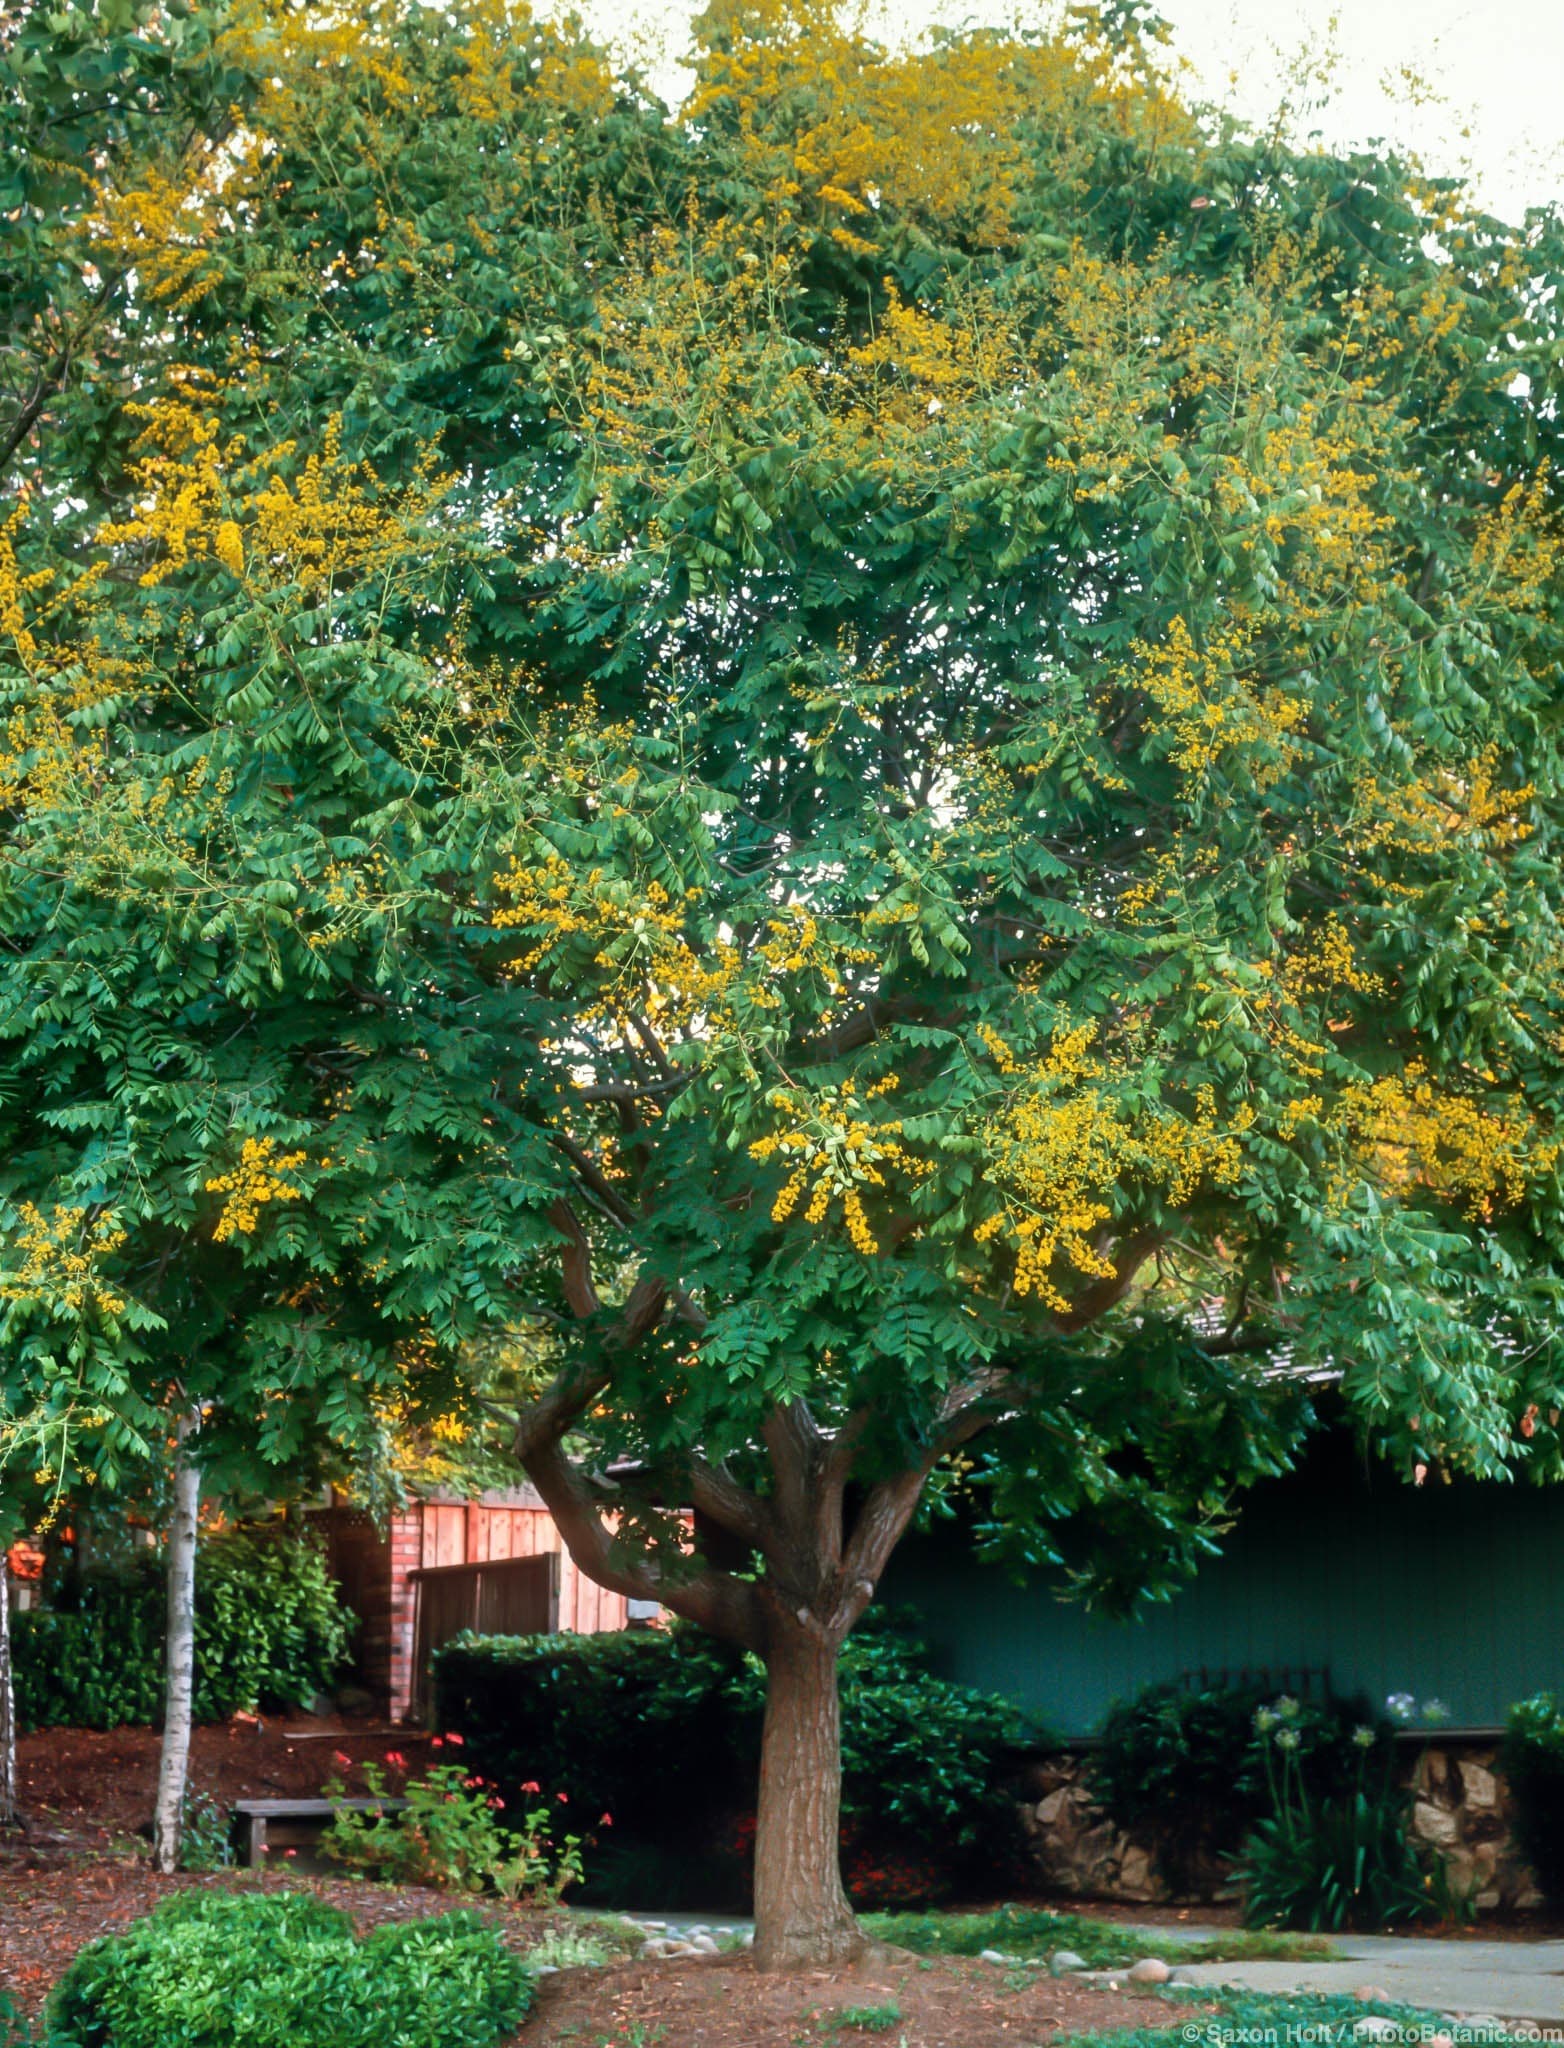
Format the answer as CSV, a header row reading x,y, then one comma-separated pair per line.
x,y
395,1758
563,1798
605,1820
532,1785
339,1757
439,1742
454,1739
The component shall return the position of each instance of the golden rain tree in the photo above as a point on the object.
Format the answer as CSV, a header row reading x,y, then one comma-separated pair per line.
x,y
883,754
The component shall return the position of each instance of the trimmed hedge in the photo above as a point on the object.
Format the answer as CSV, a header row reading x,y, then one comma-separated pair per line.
x,y
283,1970
271,1631
661,1729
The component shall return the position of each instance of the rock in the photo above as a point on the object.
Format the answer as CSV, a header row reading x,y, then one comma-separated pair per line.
x,y
1487,1899
1051,1810
545,1969
1479,1787
1180,1980
748,1937
1433,1824
1136,1877
1149,1970
1065,1959
1372,1994
703,1944
696,1927
1376,2028
992,1955
650,1951
649,1926
1440,2041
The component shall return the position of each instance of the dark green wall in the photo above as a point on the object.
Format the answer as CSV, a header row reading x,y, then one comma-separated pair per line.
x,y
1454,1591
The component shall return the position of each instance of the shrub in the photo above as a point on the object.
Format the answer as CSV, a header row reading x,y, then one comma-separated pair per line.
x,y
1532,1760
1344,1864
662,1729
271,1631
449,1834
630,1722
1342,1860
1186,1767
282,1970
205,1834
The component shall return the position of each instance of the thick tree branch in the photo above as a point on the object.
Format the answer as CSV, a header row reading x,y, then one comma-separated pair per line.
x,y
793,1446
723,1605
593,1177
1108,1292
579,1290
715,1492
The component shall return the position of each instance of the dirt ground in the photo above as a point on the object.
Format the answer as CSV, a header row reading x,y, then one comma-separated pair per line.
x,y
723,2002
84,1790
46,1915
80,1871
693,2002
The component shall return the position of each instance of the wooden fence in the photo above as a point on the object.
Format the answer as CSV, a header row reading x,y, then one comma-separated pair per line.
x,y
513,1596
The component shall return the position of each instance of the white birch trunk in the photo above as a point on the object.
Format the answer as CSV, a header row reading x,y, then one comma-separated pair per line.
x,y
8,1801
178,1654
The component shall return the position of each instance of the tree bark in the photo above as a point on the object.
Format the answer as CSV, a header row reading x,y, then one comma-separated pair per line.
x,y
802,1916
178,1654
8,1801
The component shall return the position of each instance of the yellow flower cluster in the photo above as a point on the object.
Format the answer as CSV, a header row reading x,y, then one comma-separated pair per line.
x,y
253,1182
163,229
1405,1131
1061,1150
58,1259
201,500
637,932
835,1151
1522,542
1212,706
1422,816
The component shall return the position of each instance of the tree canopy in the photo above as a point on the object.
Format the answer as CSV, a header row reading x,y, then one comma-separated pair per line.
x,y
882,755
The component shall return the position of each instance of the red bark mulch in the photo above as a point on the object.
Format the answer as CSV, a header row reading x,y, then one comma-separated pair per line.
x,y
724,2002
87,1790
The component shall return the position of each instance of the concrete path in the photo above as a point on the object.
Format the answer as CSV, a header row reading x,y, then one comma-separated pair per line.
x,y
1511,1980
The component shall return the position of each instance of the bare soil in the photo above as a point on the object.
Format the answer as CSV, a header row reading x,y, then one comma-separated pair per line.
x,y
724,2002
83,1790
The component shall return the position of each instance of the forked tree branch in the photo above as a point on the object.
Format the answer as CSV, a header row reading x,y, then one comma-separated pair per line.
x,y
714,1600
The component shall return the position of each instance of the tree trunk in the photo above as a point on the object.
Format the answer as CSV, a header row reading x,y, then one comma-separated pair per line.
x,y
802,1917
178,1654
8,1803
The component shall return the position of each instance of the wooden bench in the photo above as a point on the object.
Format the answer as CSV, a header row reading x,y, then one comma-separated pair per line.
x,y
312,1815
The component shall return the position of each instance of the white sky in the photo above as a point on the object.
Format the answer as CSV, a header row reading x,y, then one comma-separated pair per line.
x,y
1490,101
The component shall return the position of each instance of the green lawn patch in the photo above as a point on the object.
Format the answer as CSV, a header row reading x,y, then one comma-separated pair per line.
x,y
1033,1933
1240,2019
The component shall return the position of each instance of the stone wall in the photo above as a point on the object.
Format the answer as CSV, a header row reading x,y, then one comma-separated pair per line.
x,y
1074,1846
1460,1807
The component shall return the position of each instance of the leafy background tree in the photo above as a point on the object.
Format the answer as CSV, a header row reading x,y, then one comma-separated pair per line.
x,y
881,757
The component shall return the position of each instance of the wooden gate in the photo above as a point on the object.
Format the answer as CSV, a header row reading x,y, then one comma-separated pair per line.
x,y
513,1596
